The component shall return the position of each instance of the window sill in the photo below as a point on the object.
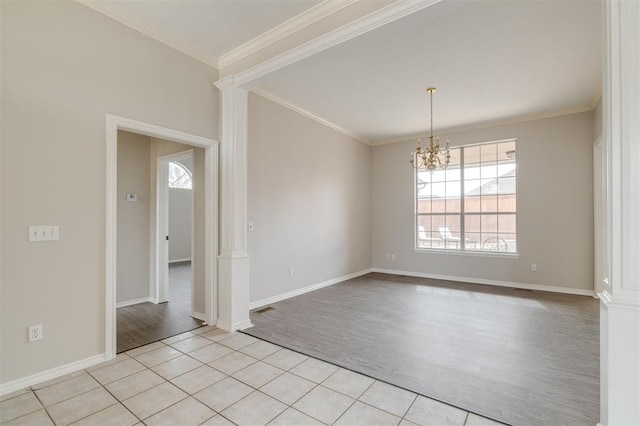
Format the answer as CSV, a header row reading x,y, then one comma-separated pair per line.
x,y
469,253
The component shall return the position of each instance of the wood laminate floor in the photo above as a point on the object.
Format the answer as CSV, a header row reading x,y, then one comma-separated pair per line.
x,y
519,357
144,323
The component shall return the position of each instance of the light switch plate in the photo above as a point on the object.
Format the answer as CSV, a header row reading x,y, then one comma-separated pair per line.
x,y
44,233
132,198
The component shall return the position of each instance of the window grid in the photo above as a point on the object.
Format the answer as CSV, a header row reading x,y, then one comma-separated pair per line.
x,y
451,221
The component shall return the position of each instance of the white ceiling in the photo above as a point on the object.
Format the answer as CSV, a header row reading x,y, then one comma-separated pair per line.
x,y
490,60
214,27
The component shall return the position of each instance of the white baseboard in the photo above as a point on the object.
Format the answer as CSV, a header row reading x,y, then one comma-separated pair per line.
x,y
188,259
307,289
242,325
524,286
199,316
136,301
34,379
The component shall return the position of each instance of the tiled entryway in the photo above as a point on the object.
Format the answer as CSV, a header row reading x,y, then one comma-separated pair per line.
x,y
210,377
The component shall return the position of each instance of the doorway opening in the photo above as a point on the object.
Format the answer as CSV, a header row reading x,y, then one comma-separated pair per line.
x,y
166,284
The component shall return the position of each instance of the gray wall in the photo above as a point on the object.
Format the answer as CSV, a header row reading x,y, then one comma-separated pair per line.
x,y
555,207
64,67
309,199
133,218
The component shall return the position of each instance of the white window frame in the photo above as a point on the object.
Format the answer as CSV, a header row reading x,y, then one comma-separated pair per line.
x,y
461,250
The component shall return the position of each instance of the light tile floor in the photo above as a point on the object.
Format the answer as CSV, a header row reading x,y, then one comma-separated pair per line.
x,y
210,377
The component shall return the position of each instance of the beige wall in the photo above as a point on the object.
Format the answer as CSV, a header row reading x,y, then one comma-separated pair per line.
x,y
308,198
180,221
64,67
133,218
555,198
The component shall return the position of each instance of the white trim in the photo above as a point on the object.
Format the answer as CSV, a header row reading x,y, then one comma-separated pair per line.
x,y
270,96
136,302
14,385
378,18
307,289
277,33
523,286
241,325
477,253
201,317
186,259
114,12
487,124
113,124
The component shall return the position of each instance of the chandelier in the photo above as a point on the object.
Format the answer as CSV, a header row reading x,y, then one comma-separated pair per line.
x,y
428,158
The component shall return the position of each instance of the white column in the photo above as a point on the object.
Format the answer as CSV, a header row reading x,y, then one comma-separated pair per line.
x,y
620,300
233,283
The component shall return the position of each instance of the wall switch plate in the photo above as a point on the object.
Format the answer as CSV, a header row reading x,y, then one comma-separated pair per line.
x,y
250,226
44,233
35,333
534,267
132,198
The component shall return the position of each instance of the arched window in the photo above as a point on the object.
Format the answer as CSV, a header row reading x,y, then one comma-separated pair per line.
x,y
179,176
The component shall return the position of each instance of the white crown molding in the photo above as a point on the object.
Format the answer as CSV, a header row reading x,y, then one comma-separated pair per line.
x,y
268,95
376,19
110,10
277,33
487,124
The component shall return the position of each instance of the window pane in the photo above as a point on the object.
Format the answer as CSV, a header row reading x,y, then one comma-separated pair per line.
x,y
507,223
472,204
452,173
507,185
507,203
472,173
489,171
488,186
472,224
489,223
424,223
438,175
489,203
509,241
453,205
179,176
424,206
453,224
472,241
471,155
488,153
507,152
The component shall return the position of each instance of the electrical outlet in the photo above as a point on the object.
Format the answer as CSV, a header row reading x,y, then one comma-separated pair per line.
x,y
35,333
534,267
388,256
393,256
291,271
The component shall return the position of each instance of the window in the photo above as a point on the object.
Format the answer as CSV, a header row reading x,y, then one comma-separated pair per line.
x,y
471,205
179,176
